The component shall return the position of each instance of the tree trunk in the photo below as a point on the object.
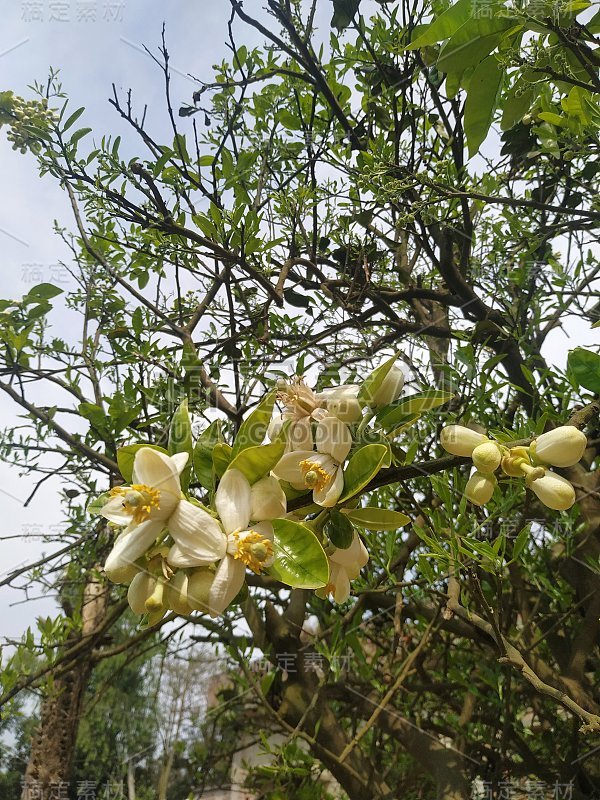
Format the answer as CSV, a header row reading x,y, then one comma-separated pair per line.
x,y
48,770
165,773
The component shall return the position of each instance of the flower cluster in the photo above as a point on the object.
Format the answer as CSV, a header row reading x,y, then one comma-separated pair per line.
x,y
27,120
178,554
561,447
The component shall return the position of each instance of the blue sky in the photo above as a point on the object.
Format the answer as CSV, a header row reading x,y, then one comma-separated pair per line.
x,y
93,44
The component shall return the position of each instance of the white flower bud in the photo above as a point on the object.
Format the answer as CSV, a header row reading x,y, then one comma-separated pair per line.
x,y
561,447
486,457
268,500
480,488
553,490
176,592
461,441
198,588
342,402
390,389
140,589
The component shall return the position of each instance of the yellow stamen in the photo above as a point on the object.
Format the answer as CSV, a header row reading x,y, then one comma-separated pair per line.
x,y
315,477
138,500
253,549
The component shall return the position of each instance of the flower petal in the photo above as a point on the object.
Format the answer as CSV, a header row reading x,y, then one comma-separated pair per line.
x,y
129,546
197,534
233,500
113,511
333,438
339,579
180,460
300,434
288,467
228,581
268,499
158,470
330,494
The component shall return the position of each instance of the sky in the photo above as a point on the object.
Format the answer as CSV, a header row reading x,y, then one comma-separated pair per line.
x,y
96,43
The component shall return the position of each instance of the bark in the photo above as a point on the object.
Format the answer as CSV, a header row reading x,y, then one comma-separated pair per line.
x,y
53,744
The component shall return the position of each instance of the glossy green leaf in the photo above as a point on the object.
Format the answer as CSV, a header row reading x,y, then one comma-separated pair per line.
x,y
585,368
364,464
339,530
482,96
445,25
376,519
256,462
344,12
300,560
221,455
411,407
254,428
373,381
202,457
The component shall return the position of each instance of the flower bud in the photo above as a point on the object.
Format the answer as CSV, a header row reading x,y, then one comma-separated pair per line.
x,y
268,499
561,447
487,457
480,488
553,490
198,588
140,589
389,390
461,441
342,402
176,592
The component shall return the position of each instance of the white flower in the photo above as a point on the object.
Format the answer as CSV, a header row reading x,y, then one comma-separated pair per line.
x,y
244,545
562,447
320,471
461,441
302,408
480,488
152,503
342,402
389,390
553,490
344,566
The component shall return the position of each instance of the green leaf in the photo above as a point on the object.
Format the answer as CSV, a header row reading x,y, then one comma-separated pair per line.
x,y
362,467
482,96
202,457
376,519
339,530
256,462
97,504
585,368
221,456
180,440
516,104
521,541
126,457
445,25
344,12
254,428
411,407
43,291
373,381
73,118
300,560
80,134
